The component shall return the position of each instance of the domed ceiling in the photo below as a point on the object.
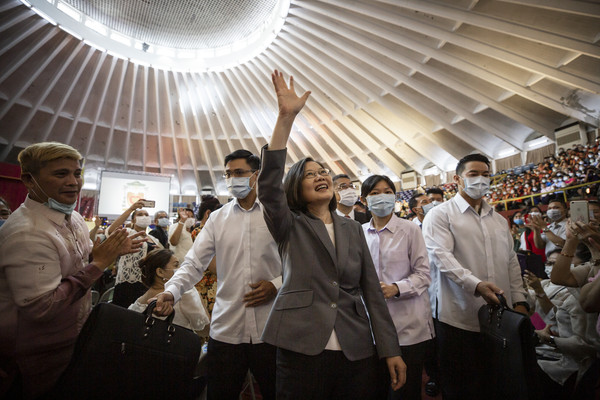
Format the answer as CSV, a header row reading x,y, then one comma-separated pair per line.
x,y
171,87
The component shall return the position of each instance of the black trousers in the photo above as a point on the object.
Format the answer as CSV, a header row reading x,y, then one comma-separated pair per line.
x,y
328,376
462,362
432,362
414,357
228,365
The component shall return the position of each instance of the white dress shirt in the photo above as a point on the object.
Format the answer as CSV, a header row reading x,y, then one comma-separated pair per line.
x,y
246,253
466,248
341,214
400,256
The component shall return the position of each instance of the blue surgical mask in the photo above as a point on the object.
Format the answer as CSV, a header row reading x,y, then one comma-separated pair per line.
x,y
518,221
381,205
55,205
163,222
239,187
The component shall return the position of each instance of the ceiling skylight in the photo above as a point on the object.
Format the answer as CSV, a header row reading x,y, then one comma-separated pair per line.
x,y
184,35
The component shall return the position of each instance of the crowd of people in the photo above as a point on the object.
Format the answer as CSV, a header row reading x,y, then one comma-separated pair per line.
x,y
315,296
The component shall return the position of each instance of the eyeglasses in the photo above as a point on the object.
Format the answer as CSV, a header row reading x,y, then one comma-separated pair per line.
x,y
313,174
345,186
237,173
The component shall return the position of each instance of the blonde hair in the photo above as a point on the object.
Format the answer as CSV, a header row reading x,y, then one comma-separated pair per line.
x,y
34,157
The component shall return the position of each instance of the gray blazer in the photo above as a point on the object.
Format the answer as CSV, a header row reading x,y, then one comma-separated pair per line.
x,y
324,287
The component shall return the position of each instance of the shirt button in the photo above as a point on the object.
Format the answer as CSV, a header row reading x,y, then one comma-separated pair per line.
x,y
333,305
334,283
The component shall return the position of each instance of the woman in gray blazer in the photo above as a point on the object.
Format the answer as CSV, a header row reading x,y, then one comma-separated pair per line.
x,y
328,343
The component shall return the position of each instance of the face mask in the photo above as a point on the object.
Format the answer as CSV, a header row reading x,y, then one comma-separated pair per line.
x,y
554,215
436,203
381,205
477,186
163,222
348,197
518,221
535,214
55,205
189,223
143,221
239,187
101,236
428,207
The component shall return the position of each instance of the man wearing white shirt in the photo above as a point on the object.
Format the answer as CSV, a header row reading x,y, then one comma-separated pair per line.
x,y
472,260
248,277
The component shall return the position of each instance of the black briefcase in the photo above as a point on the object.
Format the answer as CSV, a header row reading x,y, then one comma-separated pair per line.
x,y
509,345
125,354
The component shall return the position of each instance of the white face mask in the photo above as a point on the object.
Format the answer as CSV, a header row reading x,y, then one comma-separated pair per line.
x,y
163,222
554,215
476,186
427,207
348,197
436,203
239,187
189,223
143,221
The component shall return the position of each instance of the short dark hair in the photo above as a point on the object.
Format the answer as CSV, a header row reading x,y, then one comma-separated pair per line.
x,y
292,185
157,258
412,203
208,202
252,160
372,181
435,191
340,176
558,199
460,167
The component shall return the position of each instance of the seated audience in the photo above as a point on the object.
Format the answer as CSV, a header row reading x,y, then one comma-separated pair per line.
x,y
157,268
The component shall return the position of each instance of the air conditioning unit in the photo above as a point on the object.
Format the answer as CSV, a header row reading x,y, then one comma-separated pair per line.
x,y
570,135
409,180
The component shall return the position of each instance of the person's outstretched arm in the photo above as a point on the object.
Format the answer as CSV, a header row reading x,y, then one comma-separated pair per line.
x,y
289,106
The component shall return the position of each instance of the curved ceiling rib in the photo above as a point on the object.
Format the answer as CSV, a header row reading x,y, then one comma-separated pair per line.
x,y
396,86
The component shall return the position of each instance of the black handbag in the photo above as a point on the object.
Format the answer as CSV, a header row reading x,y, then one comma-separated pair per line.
x,y
509,345
125,354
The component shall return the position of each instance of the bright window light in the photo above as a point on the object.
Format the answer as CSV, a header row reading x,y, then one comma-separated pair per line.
x,y
71,12
120,38
96,26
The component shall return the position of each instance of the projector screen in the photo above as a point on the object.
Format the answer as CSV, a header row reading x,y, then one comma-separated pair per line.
x,y
119,190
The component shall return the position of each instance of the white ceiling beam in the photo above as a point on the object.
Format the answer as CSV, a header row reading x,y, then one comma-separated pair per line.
x,y
201,142
498,25
84,99
116,102
583,8
35,108
167,100
100,107
130,116
16,62
471,44
186,131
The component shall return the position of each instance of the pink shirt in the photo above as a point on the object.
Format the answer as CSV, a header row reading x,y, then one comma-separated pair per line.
x,y
44,291
400,256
